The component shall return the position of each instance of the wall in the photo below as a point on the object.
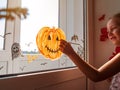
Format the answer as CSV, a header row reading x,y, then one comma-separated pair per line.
x,y
103,50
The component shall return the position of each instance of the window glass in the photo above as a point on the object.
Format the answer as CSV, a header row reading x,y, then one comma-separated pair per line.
x,y
3,4
49,14
54,13
40,14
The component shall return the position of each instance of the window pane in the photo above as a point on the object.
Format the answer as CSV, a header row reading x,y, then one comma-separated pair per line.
x,y
40,14
3,4
47,14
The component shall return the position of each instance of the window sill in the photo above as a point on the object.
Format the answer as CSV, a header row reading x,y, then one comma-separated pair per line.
x,y
41,79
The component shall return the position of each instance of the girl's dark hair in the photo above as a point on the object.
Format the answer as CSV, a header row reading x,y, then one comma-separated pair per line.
x,y
116,15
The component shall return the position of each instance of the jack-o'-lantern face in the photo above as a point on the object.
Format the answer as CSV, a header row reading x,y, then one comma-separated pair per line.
x,y
48,42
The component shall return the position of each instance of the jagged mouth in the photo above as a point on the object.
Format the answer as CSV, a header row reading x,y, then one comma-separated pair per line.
x,y
51,50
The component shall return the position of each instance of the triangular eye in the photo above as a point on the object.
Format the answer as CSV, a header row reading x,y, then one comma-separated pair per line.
x,y
49,38
57,39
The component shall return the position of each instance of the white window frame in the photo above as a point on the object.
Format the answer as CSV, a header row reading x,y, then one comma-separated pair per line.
x,y
66,21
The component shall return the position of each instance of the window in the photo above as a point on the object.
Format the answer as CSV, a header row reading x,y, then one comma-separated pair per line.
x,y
66,14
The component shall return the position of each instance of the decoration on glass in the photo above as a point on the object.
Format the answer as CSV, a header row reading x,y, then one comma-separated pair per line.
x,y
79,48
4,36
9,13
15,50
47,41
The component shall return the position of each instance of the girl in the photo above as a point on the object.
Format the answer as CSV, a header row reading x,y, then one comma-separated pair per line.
x,y
110,68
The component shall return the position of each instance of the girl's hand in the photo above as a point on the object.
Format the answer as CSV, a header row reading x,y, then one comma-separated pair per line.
x,y
66,47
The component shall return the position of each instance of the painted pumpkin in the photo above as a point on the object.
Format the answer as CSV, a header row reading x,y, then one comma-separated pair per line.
x,y
47,41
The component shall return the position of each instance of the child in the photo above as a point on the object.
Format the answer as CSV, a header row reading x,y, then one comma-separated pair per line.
x,y
110,68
